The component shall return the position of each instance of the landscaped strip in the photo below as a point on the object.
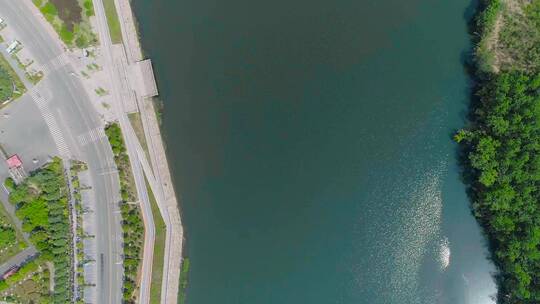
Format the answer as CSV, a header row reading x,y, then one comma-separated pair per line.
x,y
132,224
11,240
137,124
70,19
183,281
42,205
501,146
82,260
14,87
113,21
159,249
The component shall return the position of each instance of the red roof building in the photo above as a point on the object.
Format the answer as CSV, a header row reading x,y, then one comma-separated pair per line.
x,y
14,161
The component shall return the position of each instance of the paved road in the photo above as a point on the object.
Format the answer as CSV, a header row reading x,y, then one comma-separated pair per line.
x,y
18,259
69,114
159,174
116,67
23,121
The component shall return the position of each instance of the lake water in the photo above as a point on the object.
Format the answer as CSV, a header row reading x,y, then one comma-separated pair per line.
x,y
310,144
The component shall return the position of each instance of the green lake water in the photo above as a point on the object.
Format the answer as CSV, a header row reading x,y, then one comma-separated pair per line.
x,y
310,144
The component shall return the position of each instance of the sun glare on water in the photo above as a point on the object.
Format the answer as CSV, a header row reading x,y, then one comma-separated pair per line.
x,y
444,253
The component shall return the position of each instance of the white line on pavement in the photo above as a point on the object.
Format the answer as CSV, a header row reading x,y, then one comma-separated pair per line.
x,y
50,120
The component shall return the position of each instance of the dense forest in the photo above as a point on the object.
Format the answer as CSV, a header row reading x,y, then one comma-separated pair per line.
x,y
501,146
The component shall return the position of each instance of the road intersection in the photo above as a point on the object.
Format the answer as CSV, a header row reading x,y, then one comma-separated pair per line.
x,y
75,124
75,130
68,112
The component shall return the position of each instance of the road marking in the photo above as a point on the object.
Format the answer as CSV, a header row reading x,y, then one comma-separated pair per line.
x,y
108,172
91,136
38,98
5,189
50,120
53,64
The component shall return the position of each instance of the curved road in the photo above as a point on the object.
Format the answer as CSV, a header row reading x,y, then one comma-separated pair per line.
x,y
69,114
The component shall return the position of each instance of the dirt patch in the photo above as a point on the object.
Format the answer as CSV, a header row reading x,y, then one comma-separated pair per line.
x,y
516,6
69,11
492,41
514,40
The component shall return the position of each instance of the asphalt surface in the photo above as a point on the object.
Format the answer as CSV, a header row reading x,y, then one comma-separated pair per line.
x,y
121,90
19,121
69,115
159,175
18,259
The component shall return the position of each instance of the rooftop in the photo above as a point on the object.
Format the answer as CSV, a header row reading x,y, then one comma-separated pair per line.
x,y
14,161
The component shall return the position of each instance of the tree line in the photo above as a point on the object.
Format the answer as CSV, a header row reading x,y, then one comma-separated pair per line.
x,y
132,225
501,149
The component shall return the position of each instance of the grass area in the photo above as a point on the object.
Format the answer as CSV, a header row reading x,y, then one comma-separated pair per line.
x,y
183,281
113,21
519,39
29,285
69,18
127,183
6,85
159,249
509,32
19,87
32,75
137,124
11,240
42,205
132,224
158,106
34,78
88,7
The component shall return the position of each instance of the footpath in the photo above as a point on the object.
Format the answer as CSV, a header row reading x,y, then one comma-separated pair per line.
x,y
160,179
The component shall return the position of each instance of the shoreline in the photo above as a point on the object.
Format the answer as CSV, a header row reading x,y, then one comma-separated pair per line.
x,y
168,204
495,138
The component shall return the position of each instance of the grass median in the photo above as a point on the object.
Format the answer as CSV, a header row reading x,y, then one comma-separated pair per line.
x,y
159,249
183,281
132,224
113,21
137,124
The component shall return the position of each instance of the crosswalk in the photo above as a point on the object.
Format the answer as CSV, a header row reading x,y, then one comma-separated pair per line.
x,y
50,120
91,136
53,64
38,98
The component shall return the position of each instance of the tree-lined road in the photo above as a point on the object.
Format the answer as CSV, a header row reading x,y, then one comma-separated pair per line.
x,y
66,107
68,112
159,178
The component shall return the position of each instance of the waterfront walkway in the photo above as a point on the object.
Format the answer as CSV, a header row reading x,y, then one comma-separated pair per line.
x,y
158,173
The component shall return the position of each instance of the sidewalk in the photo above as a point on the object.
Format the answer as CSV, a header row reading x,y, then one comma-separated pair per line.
x,y
166,196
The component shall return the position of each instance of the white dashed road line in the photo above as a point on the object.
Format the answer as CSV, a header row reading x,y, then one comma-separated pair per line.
x,y
53,64
91,136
